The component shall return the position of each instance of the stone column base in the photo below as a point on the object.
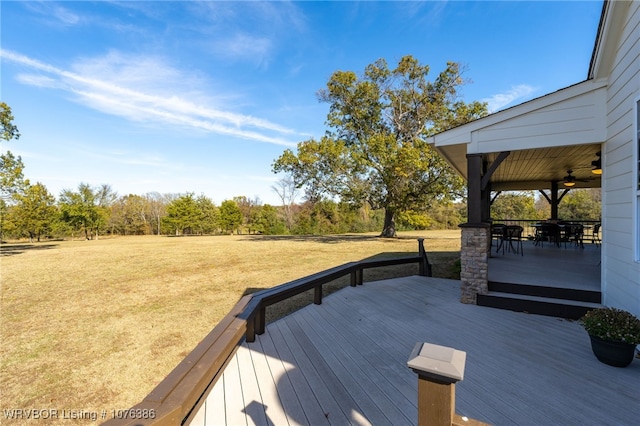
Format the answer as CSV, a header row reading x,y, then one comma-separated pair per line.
x,y
474,258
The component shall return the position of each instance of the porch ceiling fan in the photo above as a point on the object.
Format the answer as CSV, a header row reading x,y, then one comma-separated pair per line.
x,y
570,180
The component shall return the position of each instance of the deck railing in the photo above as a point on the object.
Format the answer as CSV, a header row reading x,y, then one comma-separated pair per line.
x,y
177,399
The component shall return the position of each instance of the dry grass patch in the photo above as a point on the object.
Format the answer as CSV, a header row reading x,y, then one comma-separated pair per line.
x,y
96,325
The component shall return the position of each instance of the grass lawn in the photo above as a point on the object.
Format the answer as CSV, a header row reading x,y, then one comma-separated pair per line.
x,y
93,325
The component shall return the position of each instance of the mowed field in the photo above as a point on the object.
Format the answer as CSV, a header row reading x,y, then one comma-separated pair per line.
x,y
95,325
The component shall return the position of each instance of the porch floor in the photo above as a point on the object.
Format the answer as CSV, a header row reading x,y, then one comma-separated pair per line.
x,y
345,362
549,266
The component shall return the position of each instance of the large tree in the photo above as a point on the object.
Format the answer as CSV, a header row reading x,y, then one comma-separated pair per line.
x,y
376,149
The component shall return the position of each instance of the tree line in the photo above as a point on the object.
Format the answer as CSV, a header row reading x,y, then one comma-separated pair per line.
x,y
89,212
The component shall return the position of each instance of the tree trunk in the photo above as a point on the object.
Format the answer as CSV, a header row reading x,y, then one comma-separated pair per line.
x,y
389,230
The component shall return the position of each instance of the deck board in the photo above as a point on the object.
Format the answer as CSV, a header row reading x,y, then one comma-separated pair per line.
x,y
271,405
214,412
374,404
363,370
254,407
326,396
284,401
313,412
234,398
344,362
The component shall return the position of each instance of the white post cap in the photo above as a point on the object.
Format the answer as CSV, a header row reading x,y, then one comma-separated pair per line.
x,y
439,363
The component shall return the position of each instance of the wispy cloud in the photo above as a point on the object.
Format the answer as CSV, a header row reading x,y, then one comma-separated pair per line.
x,y
243,46
517,93
54,11
146,90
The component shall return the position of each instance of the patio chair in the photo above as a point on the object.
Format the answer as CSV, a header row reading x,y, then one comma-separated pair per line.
x,y
594,235
547,232
574,232
513,234
498,234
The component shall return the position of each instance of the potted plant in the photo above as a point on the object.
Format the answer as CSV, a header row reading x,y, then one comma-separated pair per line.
x,y
614,335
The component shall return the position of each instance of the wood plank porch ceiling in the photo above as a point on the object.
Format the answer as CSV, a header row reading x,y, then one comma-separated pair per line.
x,y
533,169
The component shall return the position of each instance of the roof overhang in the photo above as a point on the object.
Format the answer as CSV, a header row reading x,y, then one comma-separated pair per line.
x,y
607,38
545,136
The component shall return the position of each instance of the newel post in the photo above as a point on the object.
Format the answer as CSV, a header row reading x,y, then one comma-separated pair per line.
x,y
424,265
438,369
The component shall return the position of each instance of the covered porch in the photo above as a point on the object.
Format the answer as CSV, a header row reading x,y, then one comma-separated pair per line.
x,y
345,362
552,145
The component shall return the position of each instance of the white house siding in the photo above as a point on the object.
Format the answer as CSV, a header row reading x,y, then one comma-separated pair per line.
x,y
574,121
620,270
571,116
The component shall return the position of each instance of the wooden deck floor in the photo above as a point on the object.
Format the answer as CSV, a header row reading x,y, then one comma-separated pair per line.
x,y
344,362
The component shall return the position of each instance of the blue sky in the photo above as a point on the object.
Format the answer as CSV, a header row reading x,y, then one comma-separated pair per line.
x,y
202,97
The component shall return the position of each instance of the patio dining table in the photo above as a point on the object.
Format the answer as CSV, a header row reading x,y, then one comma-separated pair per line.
x,y
560,232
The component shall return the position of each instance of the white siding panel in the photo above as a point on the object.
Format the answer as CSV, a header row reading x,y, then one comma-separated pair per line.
x,y
621,274
558,106
617,158
623,289
453,137
619,126
617,236
573,121
544,140
617,197
621,181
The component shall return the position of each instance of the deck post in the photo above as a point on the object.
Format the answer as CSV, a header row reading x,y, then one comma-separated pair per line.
x,y
424,265
261,320
438,369
250,335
